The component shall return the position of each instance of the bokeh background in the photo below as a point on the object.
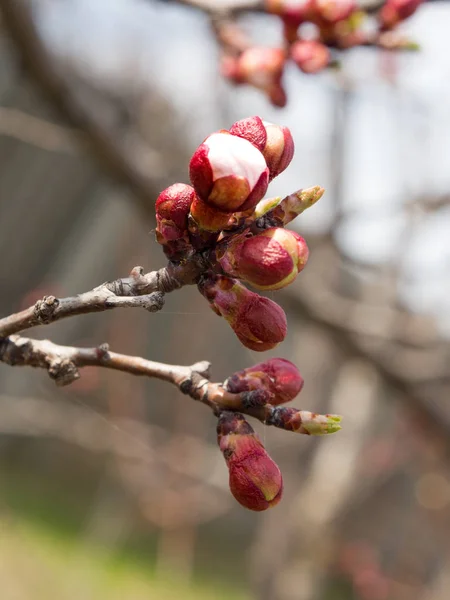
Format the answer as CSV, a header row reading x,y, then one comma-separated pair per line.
x,y
113,488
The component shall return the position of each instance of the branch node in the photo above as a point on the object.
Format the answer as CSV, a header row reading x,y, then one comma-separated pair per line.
x,y
203,368
45,309
255,398
166,282
63,371
137,272
156,302
186,387
103,351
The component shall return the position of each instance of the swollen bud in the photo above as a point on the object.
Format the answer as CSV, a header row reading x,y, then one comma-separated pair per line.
x,y
259,323
206,217
332,11
394,11
270,260
304,421
293,13
229,173
172,210
277,375
310,56
282,212
274,141
260,67
255,480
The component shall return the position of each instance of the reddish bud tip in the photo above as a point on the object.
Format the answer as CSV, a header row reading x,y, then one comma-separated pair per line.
x,y
277,375
292,13
172,210
270,260
332,11
395,11
274,141
251,129
229,173
310,56
255,479
259,323
263,68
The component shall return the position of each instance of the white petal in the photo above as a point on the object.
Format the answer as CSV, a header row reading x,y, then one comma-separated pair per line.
x,y
232,155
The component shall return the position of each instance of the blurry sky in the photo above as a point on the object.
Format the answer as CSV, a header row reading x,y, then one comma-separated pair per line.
x,y
398,133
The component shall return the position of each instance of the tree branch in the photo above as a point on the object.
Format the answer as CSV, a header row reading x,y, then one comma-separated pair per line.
x,y
18,22
63,363
223,7
144,290
35,131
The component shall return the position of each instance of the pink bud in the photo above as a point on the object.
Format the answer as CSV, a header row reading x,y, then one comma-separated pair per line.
x,y
259,323
229,173
263,68
395,11
310,56
255,480
269,260
172,210
277,375
207,217
332,11
293,12
251,129
274,141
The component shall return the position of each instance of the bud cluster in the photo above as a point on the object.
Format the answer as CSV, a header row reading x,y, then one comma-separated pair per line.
x,y
220,233
334,25
255,480
223,217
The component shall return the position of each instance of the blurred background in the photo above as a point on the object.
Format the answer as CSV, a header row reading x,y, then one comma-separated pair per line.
x,y
113,487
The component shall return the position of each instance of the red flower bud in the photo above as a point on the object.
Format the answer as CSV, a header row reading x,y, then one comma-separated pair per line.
x,y
259,323
310,56
277,375
395,11
208,218
270,260
172,210
229,173
255,480
274,141
332,11
261,67
293,12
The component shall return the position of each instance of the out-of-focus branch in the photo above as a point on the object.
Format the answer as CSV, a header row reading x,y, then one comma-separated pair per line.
x,y
19,24
37,132
357,316
143,290
223,7
130,440
63,363
399,376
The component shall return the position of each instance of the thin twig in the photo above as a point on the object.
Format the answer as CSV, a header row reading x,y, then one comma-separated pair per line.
x,y
139,289
63,363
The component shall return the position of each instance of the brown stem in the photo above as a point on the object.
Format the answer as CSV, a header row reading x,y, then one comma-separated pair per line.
x,y
63,363
145,290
